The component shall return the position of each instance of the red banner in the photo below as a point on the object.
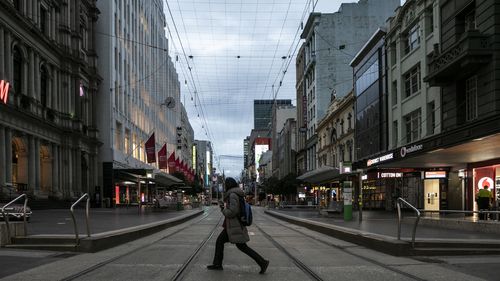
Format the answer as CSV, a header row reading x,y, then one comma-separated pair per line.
x,y
162,157
171,163
150,149
177,165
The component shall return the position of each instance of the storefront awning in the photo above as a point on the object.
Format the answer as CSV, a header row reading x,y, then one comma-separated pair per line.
x,y
164,179
477,150
131,175
319,175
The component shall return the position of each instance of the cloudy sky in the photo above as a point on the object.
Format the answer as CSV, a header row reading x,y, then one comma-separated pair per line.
x,y
232,52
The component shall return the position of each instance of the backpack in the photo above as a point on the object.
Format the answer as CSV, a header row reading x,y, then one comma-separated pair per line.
x,y
245,213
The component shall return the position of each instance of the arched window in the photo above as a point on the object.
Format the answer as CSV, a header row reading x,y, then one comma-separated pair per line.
x,y
17,5
44,84
18,70
333,136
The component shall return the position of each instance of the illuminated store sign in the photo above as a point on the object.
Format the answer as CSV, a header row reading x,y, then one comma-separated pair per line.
x,y
405,150
390,175
379,159
4,91
485,181
435,175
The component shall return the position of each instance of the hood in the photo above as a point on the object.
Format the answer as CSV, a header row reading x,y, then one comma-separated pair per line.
x,y
236,190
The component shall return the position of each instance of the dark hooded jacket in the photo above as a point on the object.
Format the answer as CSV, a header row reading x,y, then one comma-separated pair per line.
x,y
236,232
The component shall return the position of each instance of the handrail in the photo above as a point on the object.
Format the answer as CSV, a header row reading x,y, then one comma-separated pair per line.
x,y
6,218
465,212
86,216
460,211
398,204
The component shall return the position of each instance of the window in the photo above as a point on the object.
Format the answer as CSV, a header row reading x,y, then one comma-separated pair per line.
x,y
349,117
395,133
127,141
412,39
413,128
44,77
431,118
369,76
470,20
394,91
412,81
393,53
17,5
118,136
18,71
471,98
333,136
43,20
429,20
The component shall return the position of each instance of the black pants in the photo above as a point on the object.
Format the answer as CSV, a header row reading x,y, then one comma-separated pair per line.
x,y
219,249
483,203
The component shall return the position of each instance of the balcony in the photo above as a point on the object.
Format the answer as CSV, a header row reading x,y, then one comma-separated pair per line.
x,y
469,53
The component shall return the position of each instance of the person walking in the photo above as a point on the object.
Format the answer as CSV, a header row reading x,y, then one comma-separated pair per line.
x,y
484,197
234,232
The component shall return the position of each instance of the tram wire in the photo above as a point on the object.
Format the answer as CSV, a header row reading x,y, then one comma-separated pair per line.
x,y
336,247
178,273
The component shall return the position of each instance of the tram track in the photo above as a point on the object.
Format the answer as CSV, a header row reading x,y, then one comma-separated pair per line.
x,y
310,272
179,273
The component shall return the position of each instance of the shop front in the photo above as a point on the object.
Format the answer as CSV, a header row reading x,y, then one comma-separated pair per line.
x,y
486,174
382,187
137,186
324,187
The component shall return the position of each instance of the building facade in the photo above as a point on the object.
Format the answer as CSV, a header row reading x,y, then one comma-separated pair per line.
x,y
281,114
263,112
331,40
48,126
185,138
139,95
287,149
451,158
205,161
301,111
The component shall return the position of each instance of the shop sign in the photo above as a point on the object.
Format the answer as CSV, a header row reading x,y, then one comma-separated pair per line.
x,y
379,159
484,177
485,181
4,91
405,150
390,175
435,175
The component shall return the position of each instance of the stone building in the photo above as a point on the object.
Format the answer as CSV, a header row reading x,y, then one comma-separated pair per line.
x,y
48,126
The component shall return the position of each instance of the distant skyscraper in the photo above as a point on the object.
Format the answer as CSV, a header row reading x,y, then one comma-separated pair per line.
x,y
263,111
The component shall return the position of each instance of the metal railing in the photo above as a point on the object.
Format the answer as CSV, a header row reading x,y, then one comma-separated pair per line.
x,y
398,204
6,218
86,216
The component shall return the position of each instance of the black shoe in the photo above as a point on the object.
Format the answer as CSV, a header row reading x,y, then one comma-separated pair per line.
x,y
263,266
214,267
